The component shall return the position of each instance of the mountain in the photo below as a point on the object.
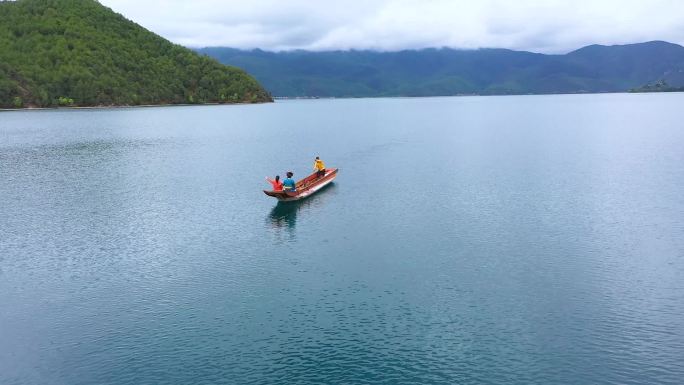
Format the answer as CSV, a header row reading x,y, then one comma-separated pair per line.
x,y
432,72
78,52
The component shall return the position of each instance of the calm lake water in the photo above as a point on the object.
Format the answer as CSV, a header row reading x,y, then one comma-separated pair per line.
x,y
470,240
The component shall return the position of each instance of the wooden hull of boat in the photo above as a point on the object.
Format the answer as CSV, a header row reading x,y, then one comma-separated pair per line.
x,y
305,187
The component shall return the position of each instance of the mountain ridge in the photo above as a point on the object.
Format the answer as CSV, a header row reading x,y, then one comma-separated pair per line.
x,y
447,71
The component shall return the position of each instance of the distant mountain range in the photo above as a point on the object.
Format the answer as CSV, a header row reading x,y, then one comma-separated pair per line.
x,y
434,72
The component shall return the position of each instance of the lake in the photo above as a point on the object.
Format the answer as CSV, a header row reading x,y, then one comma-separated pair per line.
x,y
470,240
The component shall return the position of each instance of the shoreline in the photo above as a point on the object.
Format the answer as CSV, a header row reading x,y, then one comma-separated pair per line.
x,y
291,98
457,95
128,106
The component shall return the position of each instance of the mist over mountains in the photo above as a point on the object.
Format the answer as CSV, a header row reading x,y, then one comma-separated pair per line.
x,y
445,71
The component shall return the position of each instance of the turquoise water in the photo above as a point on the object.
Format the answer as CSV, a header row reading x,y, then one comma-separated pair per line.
x,y
529,240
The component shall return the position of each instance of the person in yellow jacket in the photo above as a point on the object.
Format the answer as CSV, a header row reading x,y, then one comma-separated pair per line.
x,y
319,167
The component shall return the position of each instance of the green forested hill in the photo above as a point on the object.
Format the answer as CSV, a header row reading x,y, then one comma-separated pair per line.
x,y
78,52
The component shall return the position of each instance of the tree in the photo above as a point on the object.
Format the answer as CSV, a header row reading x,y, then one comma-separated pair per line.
x,y
78,52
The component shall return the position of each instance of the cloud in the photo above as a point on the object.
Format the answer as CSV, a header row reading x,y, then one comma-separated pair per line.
x,y
551,26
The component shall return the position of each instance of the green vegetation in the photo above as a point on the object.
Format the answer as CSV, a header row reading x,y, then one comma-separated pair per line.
x,y
430,72
80,53
659,86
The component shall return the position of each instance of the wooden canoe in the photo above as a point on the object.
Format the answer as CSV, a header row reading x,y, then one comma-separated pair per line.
x,y
305,187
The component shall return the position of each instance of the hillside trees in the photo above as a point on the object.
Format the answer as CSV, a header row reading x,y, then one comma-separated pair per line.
x,y
53,51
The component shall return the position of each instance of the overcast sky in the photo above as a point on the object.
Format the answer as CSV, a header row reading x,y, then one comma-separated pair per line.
x,y
549,26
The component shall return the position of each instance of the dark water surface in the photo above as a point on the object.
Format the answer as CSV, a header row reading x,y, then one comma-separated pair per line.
x,y
527,240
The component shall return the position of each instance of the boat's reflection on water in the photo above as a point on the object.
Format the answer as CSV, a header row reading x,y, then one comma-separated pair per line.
x,y
284,214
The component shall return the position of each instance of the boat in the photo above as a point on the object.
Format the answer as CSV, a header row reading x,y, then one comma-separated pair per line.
x,y
305,187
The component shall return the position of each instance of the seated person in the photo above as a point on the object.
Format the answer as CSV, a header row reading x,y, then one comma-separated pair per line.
x,y
277,184
319,167
289,183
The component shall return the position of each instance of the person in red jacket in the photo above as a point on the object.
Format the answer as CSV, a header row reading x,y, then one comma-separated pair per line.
x,y
277,184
